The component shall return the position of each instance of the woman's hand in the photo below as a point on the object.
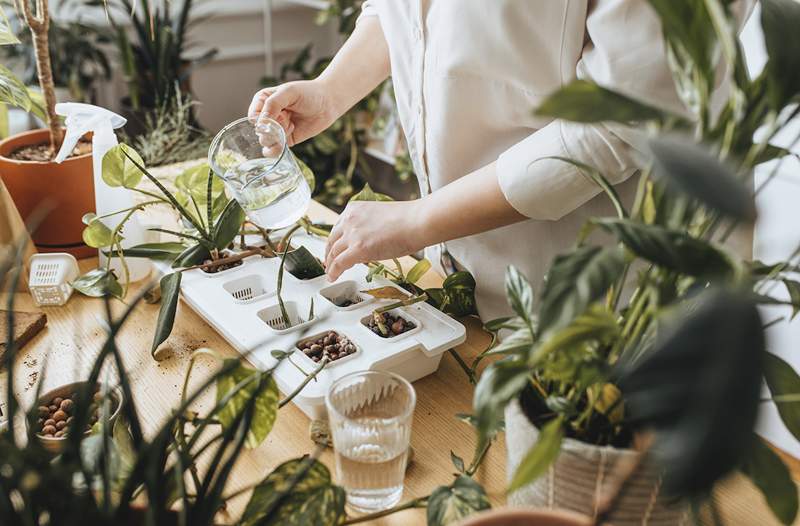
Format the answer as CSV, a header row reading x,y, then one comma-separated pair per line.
x,y
303,108
373,231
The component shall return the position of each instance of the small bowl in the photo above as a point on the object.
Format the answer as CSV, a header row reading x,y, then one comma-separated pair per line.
x,y
56,444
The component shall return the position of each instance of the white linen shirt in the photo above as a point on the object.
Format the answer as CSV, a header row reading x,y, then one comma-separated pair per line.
x,y
467,75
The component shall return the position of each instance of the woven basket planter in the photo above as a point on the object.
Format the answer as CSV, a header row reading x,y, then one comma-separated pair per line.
x,y
575,479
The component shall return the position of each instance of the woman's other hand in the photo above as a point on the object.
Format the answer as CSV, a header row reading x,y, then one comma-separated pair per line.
x,y
373,231
303,108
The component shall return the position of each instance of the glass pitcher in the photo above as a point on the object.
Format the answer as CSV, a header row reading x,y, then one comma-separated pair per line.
x,y
260,172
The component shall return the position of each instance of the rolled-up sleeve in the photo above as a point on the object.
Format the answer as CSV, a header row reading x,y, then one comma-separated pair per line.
x,y
625,53
367,9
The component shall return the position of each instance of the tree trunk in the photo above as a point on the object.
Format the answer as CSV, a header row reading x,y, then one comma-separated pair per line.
x,y
39,25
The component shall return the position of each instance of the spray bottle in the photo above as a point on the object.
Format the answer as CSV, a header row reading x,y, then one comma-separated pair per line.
x,y
84,118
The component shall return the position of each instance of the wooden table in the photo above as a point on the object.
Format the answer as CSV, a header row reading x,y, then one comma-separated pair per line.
x,y
74,333
65,350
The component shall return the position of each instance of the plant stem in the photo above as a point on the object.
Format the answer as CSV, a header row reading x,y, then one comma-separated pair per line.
x,y
285,315
469,372
402,303
416,503
313,374
478,460
254,251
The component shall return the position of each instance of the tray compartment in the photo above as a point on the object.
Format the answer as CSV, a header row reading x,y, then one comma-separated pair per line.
x,y
345,291
393,338
248,289
274,319
300,345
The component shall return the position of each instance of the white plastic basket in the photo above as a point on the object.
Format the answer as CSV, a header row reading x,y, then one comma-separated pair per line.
x,y
50,277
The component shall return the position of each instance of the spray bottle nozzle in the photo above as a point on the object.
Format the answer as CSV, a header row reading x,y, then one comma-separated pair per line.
x,y
81,119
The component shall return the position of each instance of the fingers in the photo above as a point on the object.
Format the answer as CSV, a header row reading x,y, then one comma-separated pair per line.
x,y
344,261
278,101
333,237
337,248
257,104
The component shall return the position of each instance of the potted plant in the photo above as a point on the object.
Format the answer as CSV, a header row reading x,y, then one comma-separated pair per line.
x,y
26,159
572,410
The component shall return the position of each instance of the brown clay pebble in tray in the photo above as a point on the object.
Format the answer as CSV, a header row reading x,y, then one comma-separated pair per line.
x,y
331,345
66,405
396,325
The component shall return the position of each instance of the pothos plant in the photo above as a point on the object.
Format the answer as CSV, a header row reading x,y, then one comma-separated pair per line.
x,y
658,335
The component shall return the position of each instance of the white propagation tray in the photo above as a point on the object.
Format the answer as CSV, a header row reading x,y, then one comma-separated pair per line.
x,y
240,302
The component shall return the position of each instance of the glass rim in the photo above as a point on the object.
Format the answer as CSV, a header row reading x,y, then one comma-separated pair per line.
x,y
404,415
218,138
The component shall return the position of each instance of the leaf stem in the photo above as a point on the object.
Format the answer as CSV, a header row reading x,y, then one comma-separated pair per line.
x,y
420,502
469,372
313,374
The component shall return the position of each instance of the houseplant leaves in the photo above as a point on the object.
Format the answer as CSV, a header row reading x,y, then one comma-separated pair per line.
x,y
228,225
119,168
780,20
170,294
368,194
783,380
298,492
770,474
543,453
451,504
168,251
698,389
191,255
98,283
456,296
584,101
266,405
96,234
302,264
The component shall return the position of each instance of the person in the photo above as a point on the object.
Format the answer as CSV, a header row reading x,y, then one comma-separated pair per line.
x,y
467,75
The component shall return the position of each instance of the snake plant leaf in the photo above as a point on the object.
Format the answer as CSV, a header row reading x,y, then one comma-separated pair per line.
x,y
296,493
671,249
368,194
266,405
780,20
96,234
418,270
768,472
584,101
693,170
783,380
119,170
170,294
166,251
192,255
450,504
303,265
228,225
98,283
541,456
576,280
698,389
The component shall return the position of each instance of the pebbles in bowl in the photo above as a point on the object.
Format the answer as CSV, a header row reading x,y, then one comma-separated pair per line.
x,y
330,344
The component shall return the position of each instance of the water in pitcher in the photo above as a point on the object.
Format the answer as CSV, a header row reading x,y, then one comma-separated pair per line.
x,y
272,195
372,471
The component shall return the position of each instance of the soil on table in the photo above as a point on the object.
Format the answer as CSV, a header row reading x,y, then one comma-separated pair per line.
x,y
331,345
44,153
394,325
345,301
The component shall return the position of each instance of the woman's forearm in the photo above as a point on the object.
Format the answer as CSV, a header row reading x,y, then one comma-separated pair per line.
x,y
360,65
469,205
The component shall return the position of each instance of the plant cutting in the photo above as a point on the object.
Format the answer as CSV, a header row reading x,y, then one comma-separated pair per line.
x,y
663,374
26,158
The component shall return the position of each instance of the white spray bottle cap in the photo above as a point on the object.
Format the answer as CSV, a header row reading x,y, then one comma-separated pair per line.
x,y
83,118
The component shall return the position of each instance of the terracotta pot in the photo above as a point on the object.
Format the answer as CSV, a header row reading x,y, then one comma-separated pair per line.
x,y
67,187
527,517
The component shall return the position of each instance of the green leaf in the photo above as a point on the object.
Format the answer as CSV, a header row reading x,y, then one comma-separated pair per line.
x,y
308,174
688,27
167,251
596,325
418,270
118,170
780,20
457,461
228,225
291,497
698,387
793,287
693,170
193,255
519,341
266,405
575,281
367,194
7,35
4,127
783,380
456,297
508,322
303,265
584,101
98,283
541,456
170,294
13,91
451,504
519,293
499,383
671,249
768,472
96,234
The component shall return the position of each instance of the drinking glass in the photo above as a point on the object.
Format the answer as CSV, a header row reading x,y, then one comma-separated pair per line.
x,y
370,415
260,172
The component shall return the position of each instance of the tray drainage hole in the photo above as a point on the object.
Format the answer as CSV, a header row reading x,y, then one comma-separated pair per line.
x,y
273,317
247,288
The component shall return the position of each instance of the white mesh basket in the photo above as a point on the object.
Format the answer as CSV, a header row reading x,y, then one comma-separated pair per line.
x,y
50,277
